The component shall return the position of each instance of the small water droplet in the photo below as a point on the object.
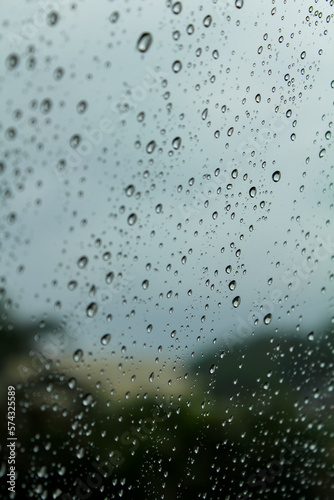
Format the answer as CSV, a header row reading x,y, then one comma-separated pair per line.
x,y
129,190
52,18
258,98
87,400
151,377
110,278
232,285
239,4
212,369
322,153
114,16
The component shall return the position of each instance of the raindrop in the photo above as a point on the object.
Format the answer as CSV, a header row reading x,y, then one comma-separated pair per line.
x,y
91,309
215,215
236,301
158,208
151,377
177,66
45,106
81,107
82,262
276,176
129,190
252,192
239,4
52,18
258,98
150,147
144,42
212,369
190,29
145,284
87,400
72,285
78,355
207,21
267,319
105,339
232,285
114,16
176,142
12,61
58,73
177,8
310,336
132,219
322,153
303,54
110,278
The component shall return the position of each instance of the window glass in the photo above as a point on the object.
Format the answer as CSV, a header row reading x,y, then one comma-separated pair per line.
x,y
167,249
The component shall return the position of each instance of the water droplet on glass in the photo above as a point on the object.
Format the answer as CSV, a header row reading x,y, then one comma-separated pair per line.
x,y
177,66
92,309
110,278
239,4
232,285
267,319
78,355
52,18
151,377
322,153
12,61
212,369
258,98
276,176
105,339
114,16
81,107
252,192
87,400
177,8
82,262
310,336
145,284
130,190
150,147
144,42
132,219
207,21
236,301
303,54
176,142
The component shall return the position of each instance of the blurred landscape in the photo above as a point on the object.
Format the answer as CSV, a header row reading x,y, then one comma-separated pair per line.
x,y
253,422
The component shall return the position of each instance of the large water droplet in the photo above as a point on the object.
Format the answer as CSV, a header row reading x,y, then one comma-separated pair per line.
x,y
144,42
150,147
239,4
176,142
177,8
252,192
